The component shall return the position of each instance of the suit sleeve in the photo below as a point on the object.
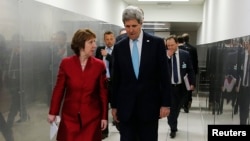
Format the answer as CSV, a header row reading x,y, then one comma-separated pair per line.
x,y
195,63
190,71
115,77
103,92
58,91
165,76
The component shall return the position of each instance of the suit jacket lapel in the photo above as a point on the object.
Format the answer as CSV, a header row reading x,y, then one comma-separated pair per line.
x,y
145,52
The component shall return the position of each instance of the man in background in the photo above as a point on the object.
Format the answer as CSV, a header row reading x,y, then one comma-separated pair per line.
x,y
194,59
17,67
243,88
181,66
4,128
105,53
59,48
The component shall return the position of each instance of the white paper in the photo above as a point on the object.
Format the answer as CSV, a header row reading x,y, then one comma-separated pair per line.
x,y
53,130
187,82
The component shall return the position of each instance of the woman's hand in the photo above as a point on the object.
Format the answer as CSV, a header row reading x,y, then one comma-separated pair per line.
x,y
104,124
51,118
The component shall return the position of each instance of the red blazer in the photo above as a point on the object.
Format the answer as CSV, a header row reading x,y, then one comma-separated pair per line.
x,y
83,97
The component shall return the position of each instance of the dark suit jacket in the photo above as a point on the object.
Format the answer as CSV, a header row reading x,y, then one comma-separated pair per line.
x,y
193,54
144,96
230,55
108,57
120,37
240,65
186,67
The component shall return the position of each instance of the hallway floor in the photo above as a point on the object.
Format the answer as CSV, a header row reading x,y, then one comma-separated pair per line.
x,y
192,126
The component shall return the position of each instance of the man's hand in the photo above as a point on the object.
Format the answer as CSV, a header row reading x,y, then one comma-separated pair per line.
x,y
164,112
114,114
104,52
170,53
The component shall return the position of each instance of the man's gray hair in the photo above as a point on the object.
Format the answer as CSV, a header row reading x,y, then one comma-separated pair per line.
x,y
133,13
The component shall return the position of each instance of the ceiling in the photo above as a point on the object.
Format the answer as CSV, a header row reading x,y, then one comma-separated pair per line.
x,y
190,2
169,26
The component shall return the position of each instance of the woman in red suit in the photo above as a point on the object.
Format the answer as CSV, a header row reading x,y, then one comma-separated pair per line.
x,y
82,92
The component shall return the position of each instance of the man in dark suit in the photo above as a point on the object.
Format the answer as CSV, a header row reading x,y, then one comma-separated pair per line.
x,y
181,66
188,97
141,92
243,68
18,64
105,53
194,58
58,49
4,128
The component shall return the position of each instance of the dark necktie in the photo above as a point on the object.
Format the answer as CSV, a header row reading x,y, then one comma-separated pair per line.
x,y
135,58
175,72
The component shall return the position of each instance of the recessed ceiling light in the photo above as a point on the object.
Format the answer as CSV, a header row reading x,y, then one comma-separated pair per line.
x,y
161,0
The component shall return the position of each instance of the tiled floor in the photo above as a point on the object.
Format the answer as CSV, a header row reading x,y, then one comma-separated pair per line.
x,y
192,126
187,131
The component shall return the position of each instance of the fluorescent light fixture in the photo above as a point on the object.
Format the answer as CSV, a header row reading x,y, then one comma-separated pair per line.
x,y
103,23
162,0
153,24
157,28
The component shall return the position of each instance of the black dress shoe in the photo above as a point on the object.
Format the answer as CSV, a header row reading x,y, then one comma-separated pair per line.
x,y
173,134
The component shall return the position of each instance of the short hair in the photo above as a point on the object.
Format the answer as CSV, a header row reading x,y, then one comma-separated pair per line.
x,y
131,13
185,37
79,39
180,39
122,30
108,33
172,37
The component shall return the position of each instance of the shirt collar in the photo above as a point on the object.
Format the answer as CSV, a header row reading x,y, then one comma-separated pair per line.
x,y
139,39
177,51
109,48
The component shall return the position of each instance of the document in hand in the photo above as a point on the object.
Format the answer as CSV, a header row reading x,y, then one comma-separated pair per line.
x,y
53,130
54,127
186,81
